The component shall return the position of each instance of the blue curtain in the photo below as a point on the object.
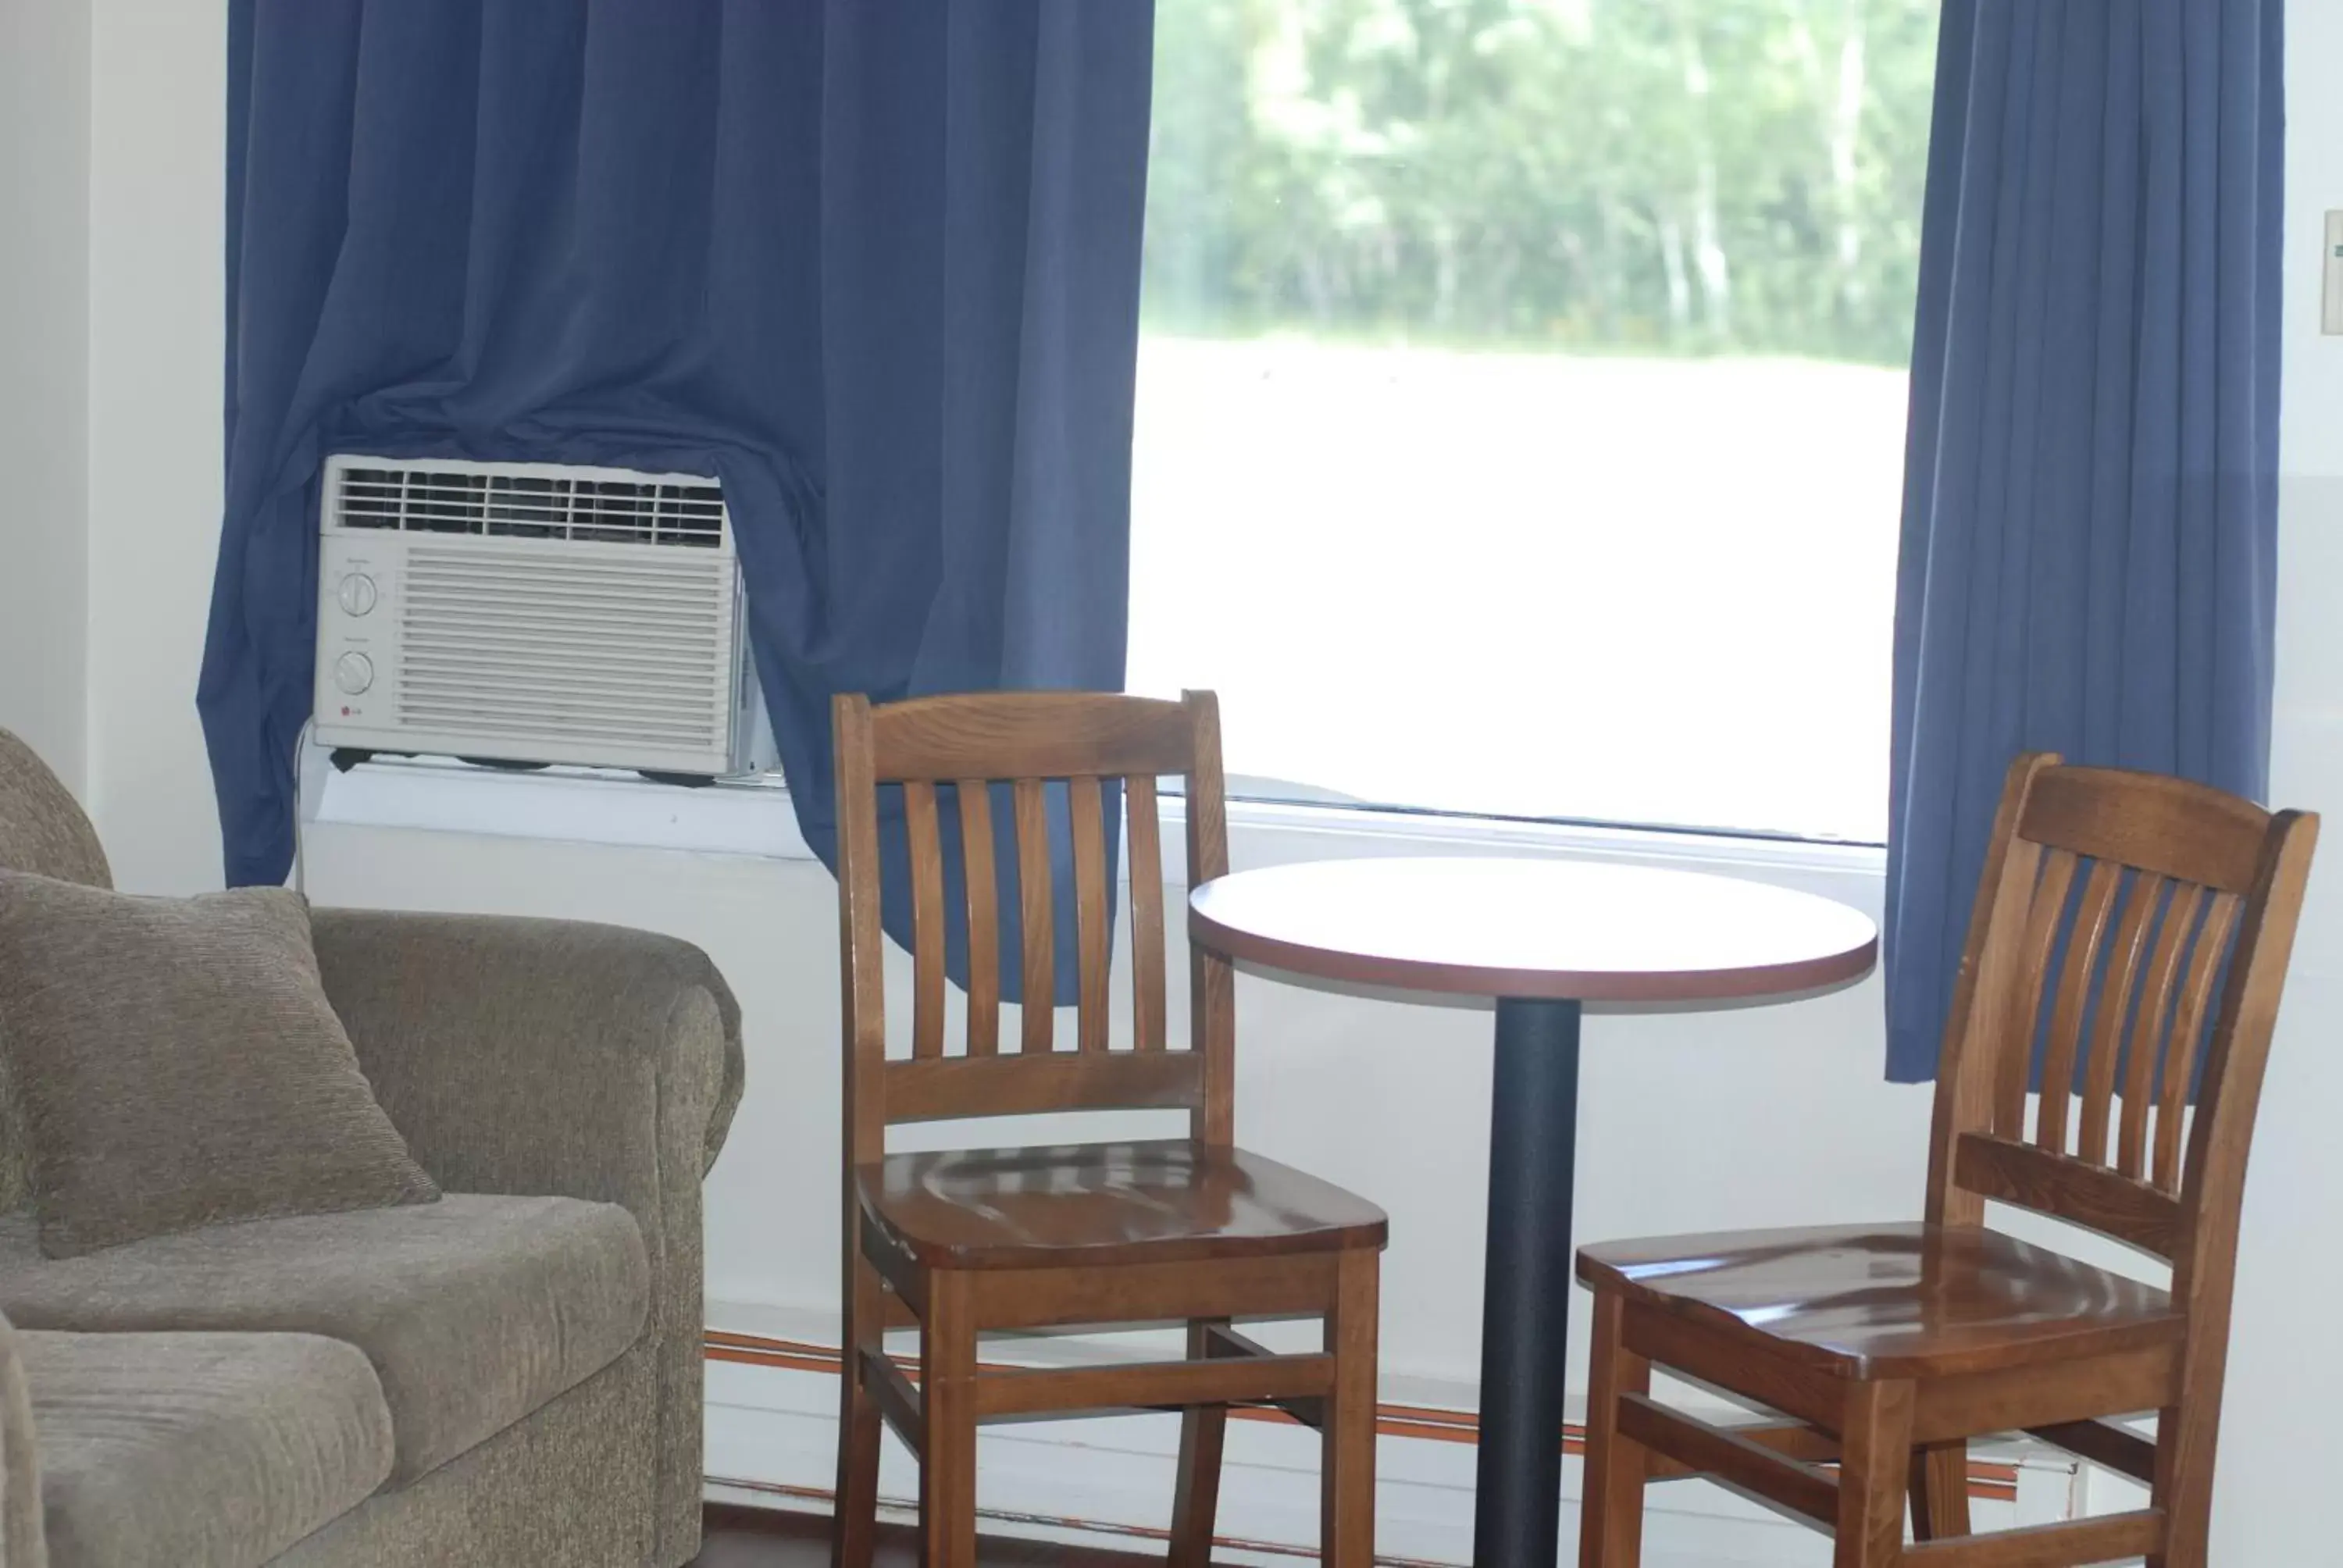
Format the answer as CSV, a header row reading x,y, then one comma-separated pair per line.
x,y
2089,535
873,262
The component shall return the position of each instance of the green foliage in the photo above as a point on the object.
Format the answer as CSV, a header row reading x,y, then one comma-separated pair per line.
x,y
1630,176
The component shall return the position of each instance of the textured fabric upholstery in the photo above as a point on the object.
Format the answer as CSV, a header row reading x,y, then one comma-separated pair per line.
x,y
422,994
178,1065
42,831
547,1056
570,1487
23,1540
516,1057
473,1311
199,1450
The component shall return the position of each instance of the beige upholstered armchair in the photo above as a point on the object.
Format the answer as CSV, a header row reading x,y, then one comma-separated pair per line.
x,y
525,1382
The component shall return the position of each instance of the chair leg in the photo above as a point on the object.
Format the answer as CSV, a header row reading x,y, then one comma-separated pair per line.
x,y
854,1525
1874,1469
1347,1507
948,1435
1202,1428
2183,1488
1940,1490
1610,1509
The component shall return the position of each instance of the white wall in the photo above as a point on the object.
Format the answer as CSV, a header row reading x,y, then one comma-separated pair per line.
x,y
156,270
45,134
2278,1450
1689,1120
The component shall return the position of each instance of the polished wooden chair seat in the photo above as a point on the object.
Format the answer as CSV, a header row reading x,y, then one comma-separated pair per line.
x,y
1167,1200
1890,1300
2126,954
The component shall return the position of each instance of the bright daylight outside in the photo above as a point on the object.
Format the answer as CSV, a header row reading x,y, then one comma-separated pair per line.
x,y
1522,399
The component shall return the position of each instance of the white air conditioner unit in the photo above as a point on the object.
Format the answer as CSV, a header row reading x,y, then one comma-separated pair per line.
x,y
527,612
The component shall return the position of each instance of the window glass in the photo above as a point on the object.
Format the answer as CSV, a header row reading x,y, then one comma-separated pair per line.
x,y
1522,399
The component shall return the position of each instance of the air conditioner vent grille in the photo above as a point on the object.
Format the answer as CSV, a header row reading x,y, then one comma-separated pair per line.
x,y
530,506
543,653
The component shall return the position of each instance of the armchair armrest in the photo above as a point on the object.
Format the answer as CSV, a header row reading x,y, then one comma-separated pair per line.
x,y
529,1056
537,1056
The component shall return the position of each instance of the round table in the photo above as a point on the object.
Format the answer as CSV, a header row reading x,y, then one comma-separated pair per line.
x,y
1541,936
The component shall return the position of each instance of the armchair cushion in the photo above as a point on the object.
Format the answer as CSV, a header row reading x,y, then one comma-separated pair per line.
x,y
198,1450
179,1065
475,1312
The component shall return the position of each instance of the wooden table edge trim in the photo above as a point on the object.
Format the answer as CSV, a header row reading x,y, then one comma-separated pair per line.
x,y
1534,985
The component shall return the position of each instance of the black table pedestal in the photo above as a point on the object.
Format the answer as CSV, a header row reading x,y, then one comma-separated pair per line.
x,y
1525,1304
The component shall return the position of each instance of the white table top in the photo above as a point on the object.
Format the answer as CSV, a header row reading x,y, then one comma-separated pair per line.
x,y
1517,927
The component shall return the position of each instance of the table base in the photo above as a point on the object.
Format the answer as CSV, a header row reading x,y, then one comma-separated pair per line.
x,y
1525,1300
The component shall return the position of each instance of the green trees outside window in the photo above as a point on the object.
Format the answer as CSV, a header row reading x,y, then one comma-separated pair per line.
x,y
1690,176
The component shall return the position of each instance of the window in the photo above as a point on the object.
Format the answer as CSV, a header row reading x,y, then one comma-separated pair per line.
x,y
1522,399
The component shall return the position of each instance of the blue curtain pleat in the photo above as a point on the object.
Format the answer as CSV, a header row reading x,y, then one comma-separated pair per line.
x,y
874,263
2090,537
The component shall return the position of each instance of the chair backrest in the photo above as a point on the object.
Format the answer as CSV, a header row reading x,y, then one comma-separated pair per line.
x,y
43,832
41,827
960,751
2138,927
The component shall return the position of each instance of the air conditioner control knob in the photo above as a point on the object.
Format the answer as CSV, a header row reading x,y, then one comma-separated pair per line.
x,y
352,672
356,593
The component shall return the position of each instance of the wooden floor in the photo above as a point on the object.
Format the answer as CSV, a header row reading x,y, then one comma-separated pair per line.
x,y
762,1538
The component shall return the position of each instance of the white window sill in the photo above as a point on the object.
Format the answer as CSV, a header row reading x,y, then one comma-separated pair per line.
x,y
572,805
756,818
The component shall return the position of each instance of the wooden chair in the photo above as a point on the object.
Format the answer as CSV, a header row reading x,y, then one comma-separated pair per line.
x,y
1188,1230
2120,897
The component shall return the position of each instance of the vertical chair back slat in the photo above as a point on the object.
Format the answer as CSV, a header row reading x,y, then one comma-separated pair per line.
x,y
1090,944
1145,833
2081,961
2106,1050
2148,1025
1968,1092
861,942
983,917
2023,1006
1041,749
1211,981
1038,920
926,837
2183,1047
